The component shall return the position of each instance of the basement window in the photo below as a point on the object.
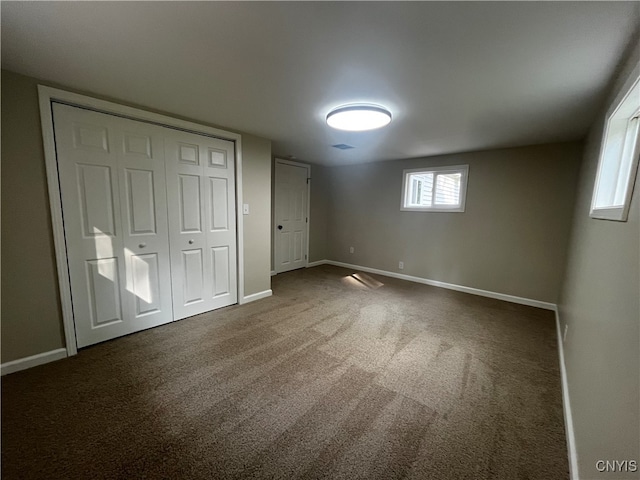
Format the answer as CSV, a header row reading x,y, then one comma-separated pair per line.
x,y
618,158
435,189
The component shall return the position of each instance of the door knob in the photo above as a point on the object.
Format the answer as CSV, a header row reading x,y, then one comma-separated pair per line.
x,y
142,245
279,227
190,242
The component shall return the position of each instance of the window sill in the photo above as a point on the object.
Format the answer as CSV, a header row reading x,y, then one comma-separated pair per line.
x,y
617,214
435,210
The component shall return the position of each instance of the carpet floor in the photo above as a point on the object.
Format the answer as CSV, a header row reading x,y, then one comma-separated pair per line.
x,y
338,375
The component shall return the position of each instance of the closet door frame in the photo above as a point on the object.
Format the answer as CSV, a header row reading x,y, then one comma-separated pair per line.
x,y
48,95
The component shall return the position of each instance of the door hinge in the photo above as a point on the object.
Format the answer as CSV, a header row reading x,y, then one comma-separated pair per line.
x,y
309,178
305,257
306,220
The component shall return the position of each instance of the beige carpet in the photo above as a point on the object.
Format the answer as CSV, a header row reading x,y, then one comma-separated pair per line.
x,y
337,376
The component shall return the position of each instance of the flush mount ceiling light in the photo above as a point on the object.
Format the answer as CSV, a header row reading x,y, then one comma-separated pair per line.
x,y
358,118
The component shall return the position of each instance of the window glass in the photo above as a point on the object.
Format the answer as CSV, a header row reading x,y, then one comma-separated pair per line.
x,y
435,189
618,159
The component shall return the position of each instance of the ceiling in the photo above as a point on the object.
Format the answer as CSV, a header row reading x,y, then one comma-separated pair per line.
x,y
457,76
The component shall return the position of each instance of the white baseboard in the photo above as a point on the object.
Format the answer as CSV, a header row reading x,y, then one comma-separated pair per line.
x,y
435,283
566,404
316,263
308,265
257,296
33,361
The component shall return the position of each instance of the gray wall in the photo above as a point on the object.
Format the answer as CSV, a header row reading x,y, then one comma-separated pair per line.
x,y
256,191
601,305
511,239
31,316
318,213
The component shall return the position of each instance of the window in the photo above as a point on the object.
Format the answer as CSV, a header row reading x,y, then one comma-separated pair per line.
x,y
618,159
436,189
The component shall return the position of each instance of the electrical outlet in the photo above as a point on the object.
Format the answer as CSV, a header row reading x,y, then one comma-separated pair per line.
x,y
351,249
400,265
564,335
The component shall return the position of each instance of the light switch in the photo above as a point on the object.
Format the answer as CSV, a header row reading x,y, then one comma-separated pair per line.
x,y
245,209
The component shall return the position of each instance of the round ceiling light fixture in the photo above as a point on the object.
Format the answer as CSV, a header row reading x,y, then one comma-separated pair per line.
x,y
358,118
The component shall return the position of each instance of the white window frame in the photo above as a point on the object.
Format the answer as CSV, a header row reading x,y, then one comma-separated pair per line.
x,y
462,169
628,155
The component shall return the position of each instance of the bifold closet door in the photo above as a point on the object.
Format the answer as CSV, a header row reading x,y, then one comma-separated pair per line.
x,y
112,182
202,222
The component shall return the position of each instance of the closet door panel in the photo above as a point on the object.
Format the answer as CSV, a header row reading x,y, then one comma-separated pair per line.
x,y
87,146
221,271
219,172
145,224
189,198
140,201
104,291
112,183
193,272
147,285
201,190
186,218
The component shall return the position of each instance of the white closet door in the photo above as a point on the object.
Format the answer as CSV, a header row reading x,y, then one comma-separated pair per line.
x,y
112,181
202,222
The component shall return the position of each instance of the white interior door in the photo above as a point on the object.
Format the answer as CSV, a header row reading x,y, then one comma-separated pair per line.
x,y
291,221
202,220
112,182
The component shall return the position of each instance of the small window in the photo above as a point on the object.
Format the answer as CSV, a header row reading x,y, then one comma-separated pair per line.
x,y
436,189
618,159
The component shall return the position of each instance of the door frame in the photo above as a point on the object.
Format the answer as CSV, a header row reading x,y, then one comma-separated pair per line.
x,y
47,95
275,206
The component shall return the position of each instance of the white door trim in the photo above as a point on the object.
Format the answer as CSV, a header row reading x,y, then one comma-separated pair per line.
x,y
46,95
273,226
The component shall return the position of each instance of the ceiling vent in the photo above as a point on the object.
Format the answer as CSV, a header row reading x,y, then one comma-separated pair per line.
x,y
342,146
